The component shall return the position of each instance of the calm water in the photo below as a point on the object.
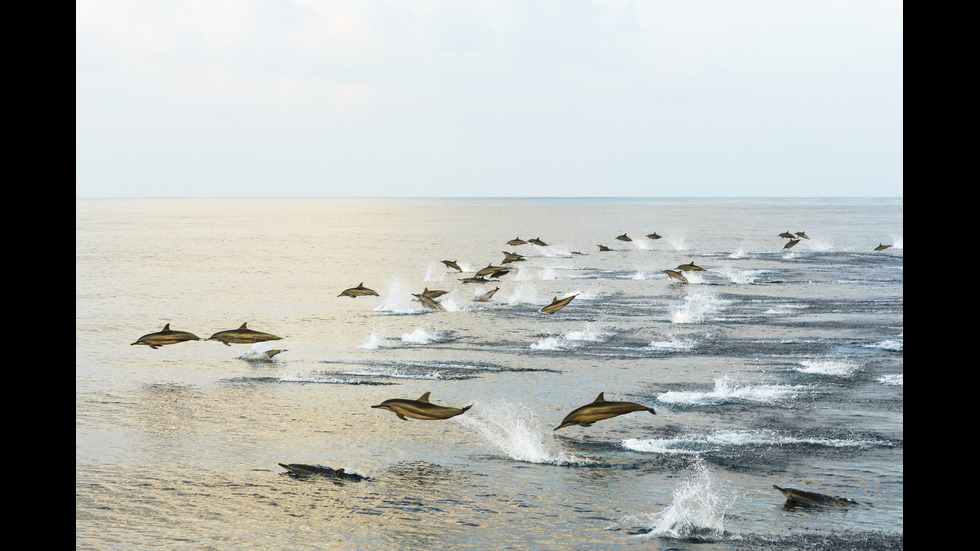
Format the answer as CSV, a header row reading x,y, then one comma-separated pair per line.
x,y
772,366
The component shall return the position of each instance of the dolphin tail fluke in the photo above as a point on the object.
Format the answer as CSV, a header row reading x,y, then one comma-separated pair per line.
x,y
465,408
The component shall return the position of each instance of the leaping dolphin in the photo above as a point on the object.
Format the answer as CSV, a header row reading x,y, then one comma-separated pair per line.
x,y
676,275
516,241
787,235
790,244
600,409
603,248
804,497
299,469
435,293
512,257
881,247
653,235
690,267
802,234
420,409
242,335
537,241
558,304
623,237
358,291
490,269
428,302
475,279
452,264
485,297
165,336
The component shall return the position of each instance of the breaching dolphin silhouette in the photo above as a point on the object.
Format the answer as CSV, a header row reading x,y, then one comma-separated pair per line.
x,y
600,409
165,336
420,409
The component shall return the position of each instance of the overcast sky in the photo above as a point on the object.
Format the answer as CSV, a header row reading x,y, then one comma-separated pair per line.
x,y
421,98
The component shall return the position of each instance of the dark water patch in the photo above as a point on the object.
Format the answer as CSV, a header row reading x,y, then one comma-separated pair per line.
x,y
833,541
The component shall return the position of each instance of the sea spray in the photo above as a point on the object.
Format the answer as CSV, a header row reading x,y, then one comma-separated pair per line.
x,y
697,511
515,430
374,340
834,367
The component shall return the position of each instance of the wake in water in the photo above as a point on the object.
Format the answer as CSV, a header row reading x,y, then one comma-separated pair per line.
x,y
834,367
515,430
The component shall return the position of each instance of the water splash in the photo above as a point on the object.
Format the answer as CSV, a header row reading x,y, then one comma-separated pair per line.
x,y
895,379
728,389
523,294
707,443
400,301
420,336
697,308
697,511
571,339
835,367
514,429
739,276
373,341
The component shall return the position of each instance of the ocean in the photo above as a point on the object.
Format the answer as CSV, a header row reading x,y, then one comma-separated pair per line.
x,y
772,366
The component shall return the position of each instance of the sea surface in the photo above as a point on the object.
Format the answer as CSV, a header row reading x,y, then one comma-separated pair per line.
x,y
772,366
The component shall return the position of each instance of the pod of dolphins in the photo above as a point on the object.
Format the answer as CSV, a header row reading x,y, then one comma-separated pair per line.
x,y
422,409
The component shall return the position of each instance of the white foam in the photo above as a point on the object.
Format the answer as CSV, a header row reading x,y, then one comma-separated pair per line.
x,y
738,276
673,343
570,339
522,294
400,301
699,443
835,367
727,389
892,379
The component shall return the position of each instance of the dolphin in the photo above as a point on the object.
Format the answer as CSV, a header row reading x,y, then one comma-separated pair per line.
x,y
689,268
804,497
452,264
242,335
420,409
603,248
787,235
475,280
653,235
558,304
512,257
435,293
501,272
264,356
165,336
428,302
485,297
623,237
516,241
490,269
881,247
299,469
358,291
600,409
537,241
802,234
676,275
790,244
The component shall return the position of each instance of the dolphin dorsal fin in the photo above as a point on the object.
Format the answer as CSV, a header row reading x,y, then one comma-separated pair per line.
x,y
361,284
166,327
424,397
601,398
243,326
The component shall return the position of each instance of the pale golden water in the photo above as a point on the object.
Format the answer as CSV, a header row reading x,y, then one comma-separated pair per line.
x,y
774,366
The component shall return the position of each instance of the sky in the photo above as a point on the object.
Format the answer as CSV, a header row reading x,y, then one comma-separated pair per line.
x,y
488,98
